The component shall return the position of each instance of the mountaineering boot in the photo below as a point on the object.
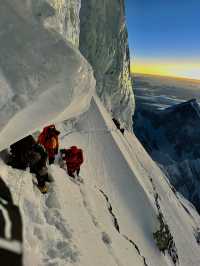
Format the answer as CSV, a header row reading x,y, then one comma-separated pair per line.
x,y
72,175
43,189
51,160
80,179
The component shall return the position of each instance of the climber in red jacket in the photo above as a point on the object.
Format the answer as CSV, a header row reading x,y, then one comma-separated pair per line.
x,y
73,158
48,138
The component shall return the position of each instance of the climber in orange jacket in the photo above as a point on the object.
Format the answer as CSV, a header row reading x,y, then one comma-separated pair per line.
x,y
48,138
73,158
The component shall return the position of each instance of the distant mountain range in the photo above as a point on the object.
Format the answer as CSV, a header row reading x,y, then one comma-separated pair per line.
x,y
166,90
169,129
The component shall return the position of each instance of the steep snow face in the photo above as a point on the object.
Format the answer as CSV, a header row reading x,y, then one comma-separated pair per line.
x,y
110,218
40,73
172,138
104,42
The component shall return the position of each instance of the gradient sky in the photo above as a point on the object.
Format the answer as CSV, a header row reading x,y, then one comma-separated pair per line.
x,y
164,36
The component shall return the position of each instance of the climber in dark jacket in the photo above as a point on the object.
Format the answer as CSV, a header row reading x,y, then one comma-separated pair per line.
x,y
19,152
28,153
38,164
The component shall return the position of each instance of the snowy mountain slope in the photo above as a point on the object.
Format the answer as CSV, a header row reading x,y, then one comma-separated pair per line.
x,y
40,74
110,219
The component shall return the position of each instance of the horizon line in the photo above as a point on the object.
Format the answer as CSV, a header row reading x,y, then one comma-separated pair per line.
x,y
166,76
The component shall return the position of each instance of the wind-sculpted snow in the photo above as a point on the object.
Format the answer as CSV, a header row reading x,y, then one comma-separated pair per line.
x,y
40,75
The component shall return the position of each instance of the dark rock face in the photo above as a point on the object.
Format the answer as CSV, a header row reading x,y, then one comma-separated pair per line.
x,y
172,138
10,229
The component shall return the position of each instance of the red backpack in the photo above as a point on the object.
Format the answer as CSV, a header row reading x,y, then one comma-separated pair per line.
x,y
73,156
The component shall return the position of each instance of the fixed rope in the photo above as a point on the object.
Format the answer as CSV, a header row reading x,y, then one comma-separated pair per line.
x,y
92,131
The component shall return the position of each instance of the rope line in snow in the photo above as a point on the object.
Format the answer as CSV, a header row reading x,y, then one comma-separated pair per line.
x,y
90,131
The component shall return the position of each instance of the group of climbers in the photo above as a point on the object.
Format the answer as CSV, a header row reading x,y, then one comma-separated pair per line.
x,y
34,154
29,153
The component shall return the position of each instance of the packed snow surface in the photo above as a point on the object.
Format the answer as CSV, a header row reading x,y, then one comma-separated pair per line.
x,y
109,219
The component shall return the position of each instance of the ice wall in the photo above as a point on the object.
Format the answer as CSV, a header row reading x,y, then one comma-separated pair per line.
x,y
104,42
100,28
66,19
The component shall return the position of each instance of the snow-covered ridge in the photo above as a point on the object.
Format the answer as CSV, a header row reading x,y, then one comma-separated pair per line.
x,y
110,219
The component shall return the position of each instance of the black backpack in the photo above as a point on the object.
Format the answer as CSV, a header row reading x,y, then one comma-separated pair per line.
x,y
19,152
